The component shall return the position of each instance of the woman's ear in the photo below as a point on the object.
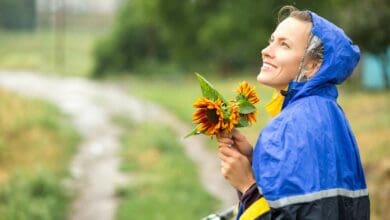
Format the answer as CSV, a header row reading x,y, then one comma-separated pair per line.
x,y
311,67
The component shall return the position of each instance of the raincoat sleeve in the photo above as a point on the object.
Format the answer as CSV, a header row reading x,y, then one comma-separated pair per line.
x,y
258,209
307,165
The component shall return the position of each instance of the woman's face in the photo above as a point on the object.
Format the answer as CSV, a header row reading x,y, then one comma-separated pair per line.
x,y
282,57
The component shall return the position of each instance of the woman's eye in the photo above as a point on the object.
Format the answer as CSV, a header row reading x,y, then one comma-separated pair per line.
x,y
284,44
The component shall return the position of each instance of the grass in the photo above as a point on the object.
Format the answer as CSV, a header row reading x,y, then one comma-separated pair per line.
x,y
45,51
36,144
164,183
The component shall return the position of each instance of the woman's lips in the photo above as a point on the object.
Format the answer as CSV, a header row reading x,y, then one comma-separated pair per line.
x,y
267,67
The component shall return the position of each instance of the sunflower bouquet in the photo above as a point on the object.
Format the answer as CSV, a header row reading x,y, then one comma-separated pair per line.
x,y
215,115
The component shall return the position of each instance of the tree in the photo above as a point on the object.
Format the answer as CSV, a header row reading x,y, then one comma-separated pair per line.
x,y
367,22
136,36
228,35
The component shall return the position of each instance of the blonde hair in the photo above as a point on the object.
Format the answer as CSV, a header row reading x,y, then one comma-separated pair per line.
x,y
315,48
288,11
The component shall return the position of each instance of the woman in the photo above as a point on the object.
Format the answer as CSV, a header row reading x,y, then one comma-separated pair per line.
x,y
305,164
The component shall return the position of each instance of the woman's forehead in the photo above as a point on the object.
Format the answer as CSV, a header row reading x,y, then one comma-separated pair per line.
x,y
293,30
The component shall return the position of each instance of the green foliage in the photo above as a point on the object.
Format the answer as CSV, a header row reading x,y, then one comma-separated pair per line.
x,y
208,90
135,37
18,14
367,22
227,35
36,145
245,106
165,183
37,196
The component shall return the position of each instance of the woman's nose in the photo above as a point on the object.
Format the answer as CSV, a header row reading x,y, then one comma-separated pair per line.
x,y
267,51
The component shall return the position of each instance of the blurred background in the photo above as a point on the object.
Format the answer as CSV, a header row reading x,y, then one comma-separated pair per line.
x,y
153,46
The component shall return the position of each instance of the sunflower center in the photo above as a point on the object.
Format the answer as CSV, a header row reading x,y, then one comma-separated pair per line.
x,y
212,116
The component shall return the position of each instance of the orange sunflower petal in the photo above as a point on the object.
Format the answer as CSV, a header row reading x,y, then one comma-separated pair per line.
x,y
248,92
208,115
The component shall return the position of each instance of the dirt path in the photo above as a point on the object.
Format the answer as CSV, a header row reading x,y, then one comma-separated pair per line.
x,y
95,167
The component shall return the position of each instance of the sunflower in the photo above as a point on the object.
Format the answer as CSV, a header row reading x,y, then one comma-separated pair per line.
x,y
214,115
251,117
233,119
248,92
209,116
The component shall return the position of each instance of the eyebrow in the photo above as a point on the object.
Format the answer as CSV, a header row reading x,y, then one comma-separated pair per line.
x,y
281,39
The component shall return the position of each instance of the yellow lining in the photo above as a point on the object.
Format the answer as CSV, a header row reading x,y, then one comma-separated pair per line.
x,y
274,106
257,209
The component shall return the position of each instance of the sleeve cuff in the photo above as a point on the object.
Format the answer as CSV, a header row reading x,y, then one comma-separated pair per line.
x,y
250,196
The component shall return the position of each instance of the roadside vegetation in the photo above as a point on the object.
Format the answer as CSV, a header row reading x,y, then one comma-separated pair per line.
x,y
164,182
36,144
44,51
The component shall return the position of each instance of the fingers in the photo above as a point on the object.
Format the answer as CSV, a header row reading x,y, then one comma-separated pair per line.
x,y
223,157
228,151
224,142
226,166
236,169
224,170
228,157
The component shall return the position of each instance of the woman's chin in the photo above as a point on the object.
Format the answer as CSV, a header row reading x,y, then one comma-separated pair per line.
x,y
262,78
266,82
258,77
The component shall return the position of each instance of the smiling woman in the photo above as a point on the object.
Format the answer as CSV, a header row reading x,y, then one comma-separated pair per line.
x,y
306,161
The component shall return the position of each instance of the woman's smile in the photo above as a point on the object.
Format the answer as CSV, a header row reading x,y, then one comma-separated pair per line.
x,y
268,67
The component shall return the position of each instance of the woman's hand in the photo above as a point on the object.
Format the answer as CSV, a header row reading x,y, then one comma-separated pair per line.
x,y
238,141
236,168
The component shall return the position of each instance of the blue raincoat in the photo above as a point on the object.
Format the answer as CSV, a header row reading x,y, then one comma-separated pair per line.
x,y
306,161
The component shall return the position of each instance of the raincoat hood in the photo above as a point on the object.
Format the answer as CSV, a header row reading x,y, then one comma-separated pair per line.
x,y
308,152
339,60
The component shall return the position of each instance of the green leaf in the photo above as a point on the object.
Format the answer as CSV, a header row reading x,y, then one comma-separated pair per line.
x,y
246,107
208,90
242,122
193,132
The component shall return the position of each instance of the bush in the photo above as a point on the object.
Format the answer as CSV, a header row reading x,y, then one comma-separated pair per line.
x,y
184,32
32,196
135,37
127,47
